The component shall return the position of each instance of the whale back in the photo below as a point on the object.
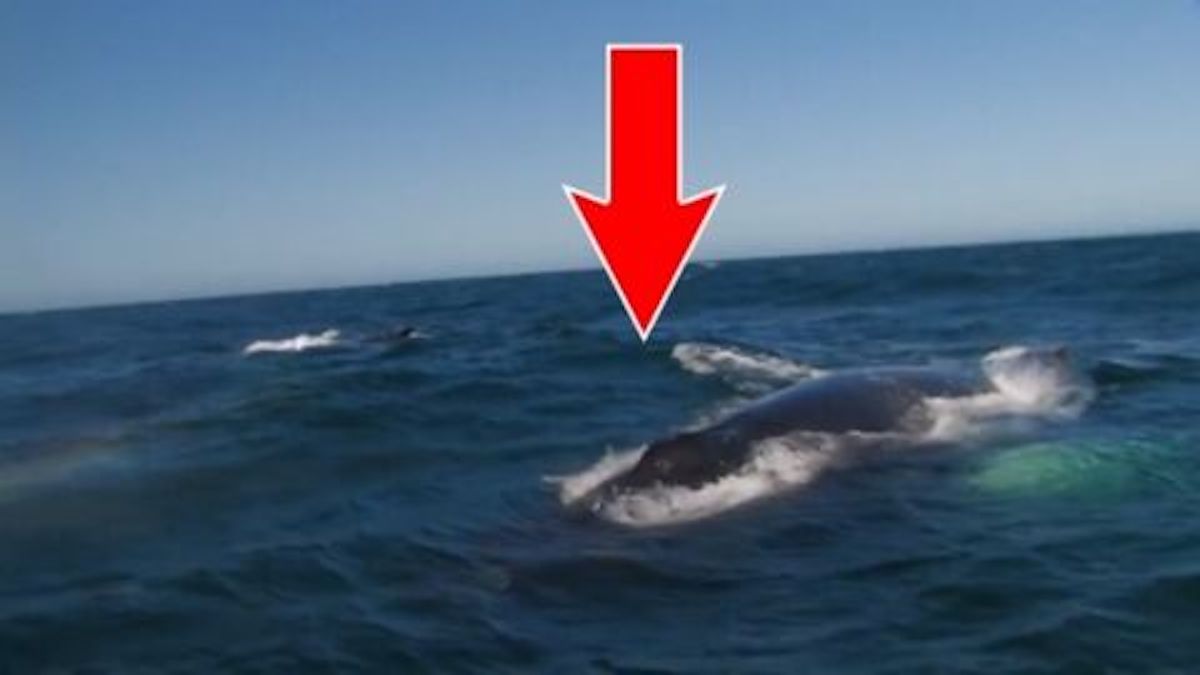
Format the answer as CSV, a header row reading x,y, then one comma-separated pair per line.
x,y
868,401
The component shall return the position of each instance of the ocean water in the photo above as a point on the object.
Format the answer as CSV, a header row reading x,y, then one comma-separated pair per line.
x,y
269,484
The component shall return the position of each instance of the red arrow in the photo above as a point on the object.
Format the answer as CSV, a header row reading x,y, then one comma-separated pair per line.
x,y
645,231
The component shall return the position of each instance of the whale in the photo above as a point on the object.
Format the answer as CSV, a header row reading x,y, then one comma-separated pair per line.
x,y
885,400
394,335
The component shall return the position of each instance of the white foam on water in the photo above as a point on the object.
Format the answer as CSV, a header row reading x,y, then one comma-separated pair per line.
x,y
1025,389
298,343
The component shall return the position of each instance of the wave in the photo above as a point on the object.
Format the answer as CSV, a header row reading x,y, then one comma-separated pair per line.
x,y
299,343
1148,360
1023,391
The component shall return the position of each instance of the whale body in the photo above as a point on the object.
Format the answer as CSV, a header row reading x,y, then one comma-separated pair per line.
x,y
869,401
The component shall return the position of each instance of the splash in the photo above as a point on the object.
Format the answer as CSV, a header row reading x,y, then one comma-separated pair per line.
x,y
298,343
1025,391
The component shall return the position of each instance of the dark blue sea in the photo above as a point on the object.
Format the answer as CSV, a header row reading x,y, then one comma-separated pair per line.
x,y
293,483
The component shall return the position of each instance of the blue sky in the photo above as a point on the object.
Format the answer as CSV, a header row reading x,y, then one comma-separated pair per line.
x,y
170,148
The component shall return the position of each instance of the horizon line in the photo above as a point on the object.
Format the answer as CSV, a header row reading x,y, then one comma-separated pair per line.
x,y
484,276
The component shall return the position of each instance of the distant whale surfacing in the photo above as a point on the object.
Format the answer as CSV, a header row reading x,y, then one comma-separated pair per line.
x,y
896,403
332,338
